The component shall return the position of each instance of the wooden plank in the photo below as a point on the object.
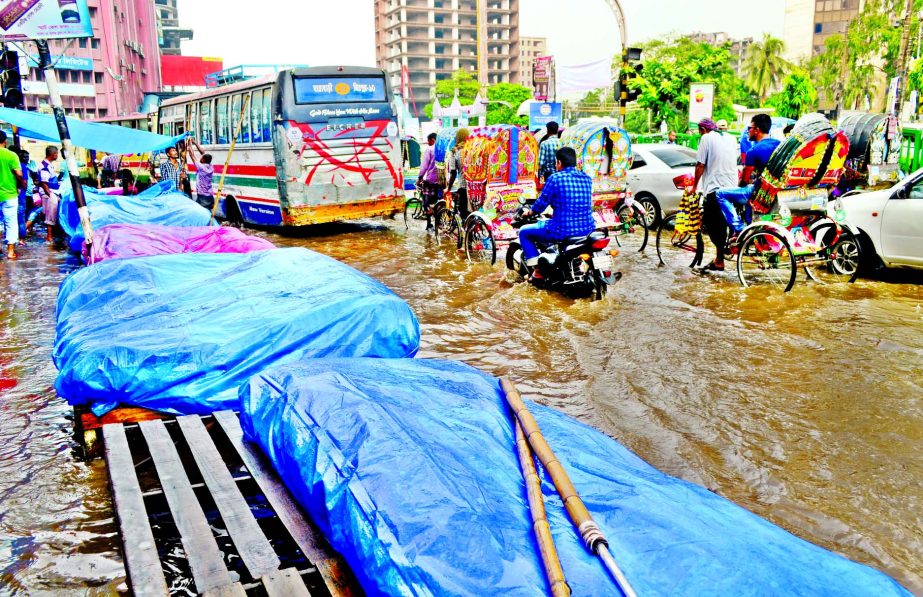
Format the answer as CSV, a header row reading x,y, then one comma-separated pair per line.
x,y
252,545
337,575
234,590
285,583
205,559
87,421
145,575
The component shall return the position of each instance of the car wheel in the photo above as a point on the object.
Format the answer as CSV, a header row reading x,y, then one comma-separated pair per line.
x,y
652,209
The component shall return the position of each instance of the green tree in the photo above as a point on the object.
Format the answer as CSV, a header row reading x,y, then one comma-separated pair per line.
x,y
671,66
764,65
513,96
463,82
798,96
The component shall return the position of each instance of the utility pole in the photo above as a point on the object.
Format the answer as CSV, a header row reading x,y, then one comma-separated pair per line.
x,y
67,147
904,56
844,65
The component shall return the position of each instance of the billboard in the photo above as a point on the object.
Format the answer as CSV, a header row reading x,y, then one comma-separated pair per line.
x,y
543,78
187,71
44,19
541,113
701,101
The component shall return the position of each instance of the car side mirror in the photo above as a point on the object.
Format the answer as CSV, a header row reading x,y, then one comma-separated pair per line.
x,y
901,193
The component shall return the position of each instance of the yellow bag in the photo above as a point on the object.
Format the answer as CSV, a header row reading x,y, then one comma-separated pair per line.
x,y
689,216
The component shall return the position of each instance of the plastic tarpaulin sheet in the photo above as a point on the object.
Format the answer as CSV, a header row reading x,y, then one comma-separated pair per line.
x,y
409,468
181,333
118,241
100,136
161,204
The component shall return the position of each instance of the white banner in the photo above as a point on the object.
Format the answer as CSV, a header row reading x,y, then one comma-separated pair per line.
x,y
701,101
584,77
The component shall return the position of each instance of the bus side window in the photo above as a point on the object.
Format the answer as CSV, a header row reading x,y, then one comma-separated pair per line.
x,y
245,128
221,118
206,124
266,120
256,111
234,119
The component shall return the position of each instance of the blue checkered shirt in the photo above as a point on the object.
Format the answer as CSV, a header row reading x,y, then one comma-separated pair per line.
x,y
546,159
170,172
570,194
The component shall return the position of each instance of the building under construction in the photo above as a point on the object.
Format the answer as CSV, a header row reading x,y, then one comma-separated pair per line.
x,y
419,42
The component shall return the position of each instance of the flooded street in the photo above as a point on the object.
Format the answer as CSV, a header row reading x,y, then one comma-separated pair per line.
x,y
806,408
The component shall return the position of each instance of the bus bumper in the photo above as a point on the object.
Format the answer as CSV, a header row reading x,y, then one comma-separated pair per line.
x,y
305,215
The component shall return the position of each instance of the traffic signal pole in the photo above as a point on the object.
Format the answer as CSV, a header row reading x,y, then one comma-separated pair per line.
x,y
67,147
623,89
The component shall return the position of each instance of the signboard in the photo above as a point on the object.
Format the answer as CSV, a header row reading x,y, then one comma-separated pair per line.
x,y
542,75
701,101
65,62
66,89
44,19
541,113
330,90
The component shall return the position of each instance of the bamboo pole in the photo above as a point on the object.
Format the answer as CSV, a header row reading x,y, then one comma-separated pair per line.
x,y
579,515
549,554
244,106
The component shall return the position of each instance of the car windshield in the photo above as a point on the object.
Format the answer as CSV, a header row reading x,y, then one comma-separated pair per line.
x,y
675,158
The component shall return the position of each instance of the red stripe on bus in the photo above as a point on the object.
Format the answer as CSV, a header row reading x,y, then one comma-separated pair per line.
x,y
257,200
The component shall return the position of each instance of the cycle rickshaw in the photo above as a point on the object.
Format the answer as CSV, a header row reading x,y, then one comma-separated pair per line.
x,y
795,224
604,153
499,164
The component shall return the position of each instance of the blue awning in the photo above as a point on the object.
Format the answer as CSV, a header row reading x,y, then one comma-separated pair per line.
x,y
110,138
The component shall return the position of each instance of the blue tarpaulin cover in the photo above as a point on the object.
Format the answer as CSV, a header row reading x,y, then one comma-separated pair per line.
x,y
409,468
160,204
181,333
100,136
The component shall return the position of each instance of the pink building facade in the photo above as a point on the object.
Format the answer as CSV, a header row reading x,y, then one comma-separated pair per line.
x,y
109,74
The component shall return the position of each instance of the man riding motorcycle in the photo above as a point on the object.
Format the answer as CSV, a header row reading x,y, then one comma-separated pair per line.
x,y
569,192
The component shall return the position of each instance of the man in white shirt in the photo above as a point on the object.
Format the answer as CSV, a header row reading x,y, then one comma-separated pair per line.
x,y
716,169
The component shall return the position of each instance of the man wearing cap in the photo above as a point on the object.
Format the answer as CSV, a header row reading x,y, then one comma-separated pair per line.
x,y
723,131
716,169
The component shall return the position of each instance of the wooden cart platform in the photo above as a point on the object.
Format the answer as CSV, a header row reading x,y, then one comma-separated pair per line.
x,y
200,511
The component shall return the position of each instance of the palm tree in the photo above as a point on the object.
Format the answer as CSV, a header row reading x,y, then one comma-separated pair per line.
x,y
764,66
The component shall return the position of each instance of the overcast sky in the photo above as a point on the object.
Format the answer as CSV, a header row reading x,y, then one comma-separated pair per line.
x,y
341,32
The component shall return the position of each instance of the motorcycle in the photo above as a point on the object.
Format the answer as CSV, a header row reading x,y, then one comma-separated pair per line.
x,y
578,266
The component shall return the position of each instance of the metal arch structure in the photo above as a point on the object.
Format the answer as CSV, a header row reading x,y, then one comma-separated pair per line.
x,y
616,8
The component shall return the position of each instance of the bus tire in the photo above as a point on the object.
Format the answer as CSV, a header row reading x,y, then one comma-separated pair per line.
x,y
232,213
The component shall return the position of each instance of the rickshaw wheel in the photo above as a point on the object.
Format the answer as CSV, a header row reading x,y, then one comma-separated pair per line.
x,y
667,237
413,210
479,241
632,232
448,226
765,258
841,254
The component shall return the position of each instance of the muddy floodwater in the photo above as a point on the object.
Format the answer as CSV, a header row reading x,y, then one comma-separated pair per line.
x,y
805,408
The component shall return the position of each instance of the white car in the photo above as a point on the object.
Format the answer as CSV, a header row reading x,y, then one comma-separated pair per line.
x,y
891,222
658,175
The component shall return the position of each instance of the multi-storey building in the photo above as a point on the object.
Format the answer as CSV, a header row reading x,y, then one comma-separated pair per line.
x,y
737,48
431,39
808,23
108,74
171,34
529,49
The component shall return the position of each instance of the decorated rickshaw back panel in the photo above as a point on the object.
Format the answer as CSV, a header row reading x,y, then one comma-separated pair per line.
x,y
802,169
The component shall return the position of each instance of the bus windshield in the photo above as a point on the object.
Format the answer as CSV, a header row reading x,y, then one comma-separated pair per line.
x,y
336,90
